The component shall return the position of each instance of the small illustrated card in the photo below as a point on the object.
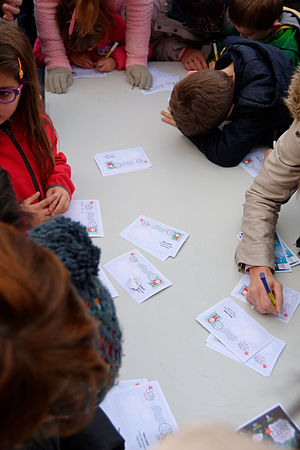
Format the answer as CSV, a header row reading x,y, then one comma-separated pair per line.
x,y
154,237
162,81
80,72
280,258
141,414
88,213
262,362
291,298
273,426
253,162
235,329
292,259
119,161
105,281
137,275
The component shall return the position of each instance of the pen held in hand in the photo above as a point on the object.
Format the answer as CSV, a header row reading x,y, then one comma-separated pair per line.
x,y
266,286
111,50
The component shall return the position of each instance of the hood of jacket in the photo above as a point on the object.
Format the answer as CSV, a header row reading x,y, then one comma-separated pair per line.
x,y
262,73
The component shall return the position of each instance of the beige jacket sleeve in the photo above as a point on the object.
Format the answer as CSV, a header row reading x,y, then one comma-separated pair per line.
x,y
274,185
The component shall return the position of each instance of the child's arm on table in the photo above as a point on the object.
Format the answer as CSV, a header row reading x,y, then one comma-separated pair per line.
x,y
81,60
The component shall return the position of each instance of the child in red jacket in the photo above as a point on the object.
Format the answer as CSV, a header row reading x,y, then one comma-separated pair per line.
x,y
89,49
40,176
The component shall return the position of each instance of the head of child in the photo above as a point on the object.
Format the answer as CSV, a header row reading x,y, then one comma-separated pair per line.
x,y
202,101
82,23
49,346
254,19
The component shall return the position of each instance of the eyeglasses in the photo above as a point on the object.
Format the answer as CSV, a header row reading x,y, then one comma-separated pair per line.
x,y
9,95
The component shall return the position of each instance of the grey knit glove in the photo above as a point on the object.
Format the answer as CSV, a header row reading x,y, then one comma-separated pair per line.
x,y
58,80
139,76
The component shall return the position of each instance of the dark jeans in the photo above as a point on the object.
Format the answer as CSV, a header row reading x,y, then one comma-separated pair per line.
x,y
26,20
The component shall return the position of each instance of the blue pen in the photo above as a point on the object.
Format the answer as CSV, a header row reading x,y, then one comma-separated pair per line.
x,y
268,290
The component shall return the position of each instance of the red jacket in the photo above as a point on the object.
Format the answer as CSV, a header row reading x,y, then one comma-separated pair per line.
x,y
12,161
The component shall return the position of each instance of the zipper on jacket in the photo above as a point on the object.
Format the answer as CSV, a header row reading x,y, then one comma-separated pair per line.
x,y
6,128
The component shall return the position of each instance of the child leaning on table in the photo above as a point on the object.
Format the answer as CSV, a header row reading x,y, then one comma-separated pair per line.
x,y
276,182
88,48
40,176
246,87
269,22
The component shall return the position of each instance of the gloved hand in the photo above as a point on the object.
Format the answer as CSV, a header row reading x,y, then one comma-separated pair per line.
x,y
58,80
139,76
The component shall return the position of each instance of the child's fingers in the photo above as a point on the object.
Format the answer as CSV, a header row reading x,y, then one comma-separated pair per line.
x,y
28,201
46,202
167,118
54,203
62,205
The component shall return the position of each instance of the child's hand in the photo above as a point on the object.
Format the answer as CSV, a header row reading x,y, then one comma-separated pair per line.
x,y
39,211
81,60
60,200
194,60
106,65
257,295
211,65
10,8
167,117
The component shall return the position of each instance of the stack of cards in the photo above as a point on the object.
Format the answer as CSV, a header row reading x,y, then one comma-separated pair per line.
x,y
284,257
240,337
273,426
253,162
120,161
291,298
140,412
154,237
137,275
162,81
88,213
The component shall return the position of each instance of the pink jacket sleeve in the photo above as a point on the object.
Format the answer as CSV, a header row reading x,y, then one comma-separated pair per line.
x,y
139,16
52,45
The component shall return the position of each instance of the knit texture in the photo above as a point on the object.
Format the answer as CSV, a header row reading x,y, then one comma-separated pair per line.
x,y
72,245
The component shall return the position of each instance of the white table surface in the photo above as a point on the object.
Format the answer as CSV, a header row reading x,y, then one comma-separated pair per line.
x,y
162,340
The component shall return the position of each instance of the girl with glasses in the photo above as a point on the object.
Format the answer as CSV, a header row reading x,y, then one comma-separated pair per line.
x,y
40,176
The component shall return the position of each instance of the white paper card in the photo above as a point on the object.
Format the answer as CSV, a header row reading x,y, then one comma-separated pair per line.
x,y
142,415
119,161
80,72
253,162
155,237
262,362
235,328
137,275
291,298
105,281
162,81
88,213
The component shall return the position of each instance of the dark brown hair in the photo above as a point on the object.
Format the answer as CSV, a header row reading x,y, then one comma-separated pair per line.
x,y
50,367
92,20
201,101
13,45
255,14
10,208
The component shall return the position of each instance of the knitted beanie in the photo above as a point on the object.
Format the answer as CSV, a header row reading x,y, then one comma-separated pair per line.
x,y
72,245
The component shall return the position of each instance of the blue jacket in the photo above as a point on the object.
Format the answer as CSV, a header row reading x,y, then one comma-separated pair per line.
x,y
262,77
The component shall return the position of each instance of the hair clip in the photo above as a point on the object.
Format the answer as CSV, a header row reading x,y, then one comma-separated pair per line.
x,y
21,73
72,23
